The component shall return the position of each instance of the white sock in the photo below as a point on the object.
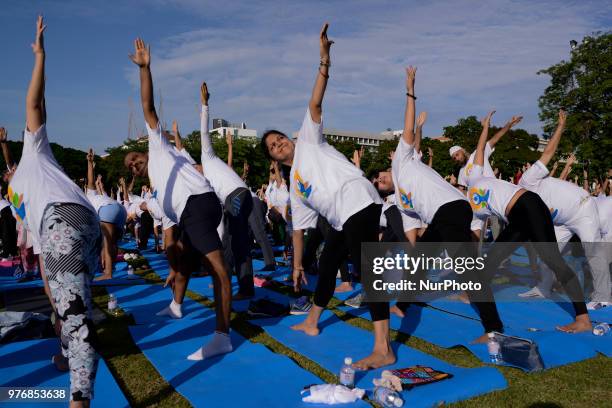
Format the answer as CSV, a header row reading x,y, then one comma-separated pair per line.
x,y
174,310
220,344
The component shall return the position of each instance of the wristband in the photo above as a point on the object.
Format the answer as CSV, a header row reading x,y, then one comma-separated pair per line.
x,y
411,95
324,75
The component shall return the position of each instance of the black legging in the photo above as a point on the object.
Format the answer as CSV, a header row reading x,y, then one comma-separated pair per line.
x,y
8,233
315,237
145,230
530,220
360,227
238,207
395,227
451,224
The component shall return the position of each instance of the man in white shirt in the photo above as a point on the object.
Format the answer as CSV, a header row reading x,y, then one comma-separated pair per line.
x,y
187,199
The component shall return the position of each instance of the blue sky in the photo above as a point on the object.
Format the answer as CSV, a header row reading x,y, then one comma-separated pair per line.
x,y
260,59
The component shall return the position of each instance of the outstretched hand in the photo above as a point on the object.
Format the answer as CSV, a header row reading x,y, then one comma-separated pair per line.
x,y
204,94
3,135
175,129
410,77
430,151
325,43
486,121
90,155
562,117
38,47
514,121
421,119
142,54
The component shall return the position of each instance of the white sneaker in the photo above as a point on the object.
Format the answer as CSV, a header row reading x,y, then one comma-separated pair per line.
x,y
534,292
597,305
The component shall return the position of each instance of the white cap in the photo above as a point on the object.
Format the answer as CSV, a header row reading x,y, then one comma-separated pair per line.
x,y
348,360
454,150
398,402
491,335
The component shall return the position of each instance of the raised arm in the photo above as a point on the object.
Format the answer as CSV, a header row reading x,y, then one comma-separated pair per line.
x,y
90,170
554,169
568,167
430,153
419,130
276,174
585,180
207,148
230,148
553,143
316,100
482,141
408,133
509,125
6,152
245,170
142,58
35,108
177,136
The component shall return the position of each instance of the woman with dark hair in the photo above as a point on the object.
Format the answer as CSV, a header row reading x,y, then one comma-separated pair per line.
x,y
323,182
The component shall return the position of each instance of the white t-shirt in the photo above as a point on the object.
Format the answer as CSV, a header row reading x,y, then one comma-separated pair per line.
x,y
279,198
464,173
561,197
3,204
409,222
158,215
419,189
39,181
98,200
171,174
222,177
488,195
324,182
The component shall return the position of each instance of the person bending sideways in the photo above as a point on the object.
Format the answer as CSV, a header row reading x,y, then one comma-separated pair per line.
x,y
323,181
422,193
112,220
65,227
573,211
188,200
528,219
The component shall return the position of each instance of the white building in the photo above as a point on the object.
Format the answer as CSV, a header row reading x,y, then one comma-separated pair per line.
x,y
366,139
236,132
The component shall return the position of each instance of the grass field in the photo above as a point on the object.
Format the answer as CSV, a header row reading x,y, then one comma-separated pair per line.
x,y
583,384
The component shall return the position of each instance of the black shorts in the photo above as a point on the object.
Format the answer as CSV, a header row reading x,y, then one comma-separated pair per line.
x,y
199,222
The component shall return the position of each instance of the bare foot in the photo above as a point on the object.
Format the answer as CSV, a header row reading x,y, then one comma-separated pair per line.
x,y
60,362
397,311
480,340
344,287
307,327
376,360
103,277
462,297
581,324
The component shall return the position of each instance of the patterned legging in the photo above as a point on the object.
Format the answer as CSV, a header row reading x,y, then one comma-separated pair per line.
x,y
70,241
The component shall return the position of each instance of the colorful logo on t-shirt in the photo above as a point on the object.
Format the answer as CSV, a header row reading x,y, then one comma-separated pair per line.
x,y
554,212
468,169
302,187
16,201
479,198
406,199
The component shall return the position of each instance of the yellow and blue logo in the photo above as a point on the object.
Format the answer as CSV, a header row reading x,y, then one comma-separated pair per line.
x,y
553,212
479,198
302,187
16,200
406,199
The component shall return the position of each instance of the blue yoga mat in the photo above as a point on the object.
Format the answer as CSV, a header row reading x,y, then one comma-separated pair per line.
x,y
448,330
28,364
144,301
250,376
338,340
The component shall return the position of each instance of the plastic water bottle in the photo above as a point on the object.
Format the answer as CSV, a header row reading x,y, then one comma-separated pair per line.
x,y
387,397
347,373
601,329
493,347
112,305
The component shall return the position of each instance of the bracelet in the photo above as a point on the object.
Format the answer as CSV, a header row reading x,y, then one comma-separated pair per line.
x,y
411,95
324,75
325,63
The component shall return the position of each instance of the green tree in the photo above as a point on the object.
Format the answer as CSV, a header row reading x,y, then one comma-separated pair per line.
x,y
583,87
